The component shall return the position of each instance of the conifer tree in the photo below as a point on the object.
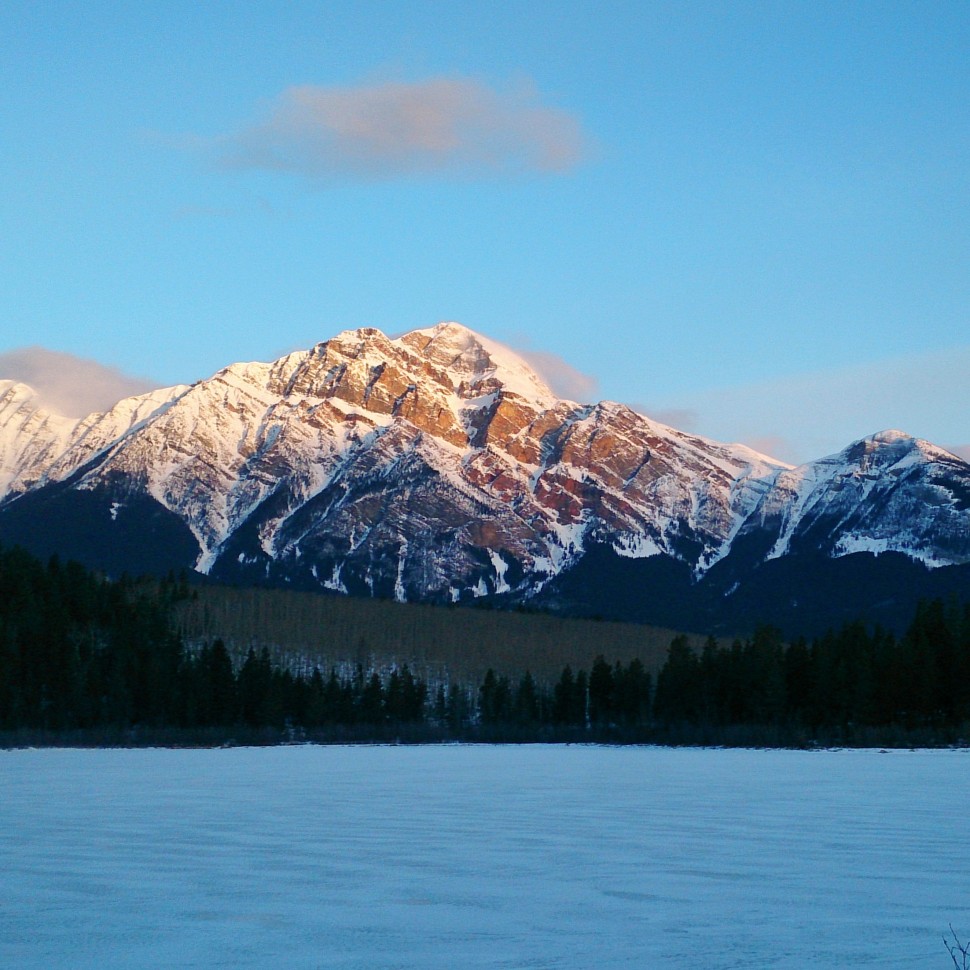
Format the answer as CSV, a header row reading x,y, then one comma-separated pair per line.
x,y
527,700
371,703
562,697
414,694
601,689
679,689
632,694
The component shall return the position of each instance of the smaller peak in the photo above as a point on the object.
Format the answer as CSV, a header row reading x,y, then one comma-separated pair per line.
x,y
879,441
357,333
246,369
355,342
365,333
890,437
903,441
17,394
889,447
17,389
346,343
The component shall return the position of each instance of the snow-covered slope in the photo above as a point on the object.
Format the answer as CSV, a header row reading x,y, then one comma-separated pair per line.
x,y
889,492
440,465
31,437
38,446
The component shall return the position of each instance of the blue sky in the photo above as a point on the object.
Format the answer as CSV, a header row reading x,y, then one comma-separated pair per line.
x,y
748,219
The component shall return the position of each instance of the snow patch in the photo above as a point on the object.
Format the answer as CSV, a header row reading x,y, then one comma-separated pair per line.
x,y
876,545
636,546
500,566
334,583
400,595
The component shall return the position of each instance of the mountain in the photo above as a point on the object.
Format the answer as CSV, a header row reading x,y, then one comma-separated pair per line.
x,y
439,467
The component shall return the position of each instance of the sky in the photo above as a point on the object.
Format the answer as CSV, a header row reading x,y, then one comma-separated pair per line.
x,y
749,220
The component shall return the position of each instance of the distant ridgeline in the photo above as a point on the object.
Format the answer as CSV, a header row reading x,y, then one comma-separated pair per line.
x,y
91,661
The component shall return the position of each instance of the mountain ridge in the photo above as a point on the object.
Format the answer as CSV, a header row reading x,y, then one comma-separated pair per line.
x,y
439,466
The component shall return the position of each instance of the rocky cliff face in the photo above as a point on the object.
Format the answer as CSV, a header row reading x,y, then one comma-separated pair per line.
x,y
440,466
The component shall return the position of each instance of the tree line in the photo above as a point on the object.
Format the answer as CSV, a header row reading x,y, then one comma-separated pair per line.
x,y
81,654
853,684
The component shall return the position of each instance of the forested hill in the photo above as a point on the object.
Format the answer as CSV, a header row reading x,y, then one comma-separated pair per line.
x,y
93,661
79,653
301,629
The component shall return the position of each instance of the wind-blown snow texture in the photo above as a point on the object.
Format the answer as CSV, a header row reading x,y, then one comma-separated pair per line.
x,y
474,857
439,466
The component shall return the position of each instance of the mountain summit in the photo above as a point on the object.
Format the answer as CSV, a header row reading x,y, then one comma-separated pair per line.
x,y
439,466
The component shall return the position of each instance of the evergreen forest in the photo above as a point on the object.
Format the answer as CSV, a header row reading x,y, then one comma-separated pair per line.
x,y
87,660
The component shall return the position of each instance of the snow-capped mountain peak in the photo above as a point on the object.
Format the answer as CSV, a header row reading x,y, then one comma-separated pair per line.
x,y
477,361
439,465
890,448
887,492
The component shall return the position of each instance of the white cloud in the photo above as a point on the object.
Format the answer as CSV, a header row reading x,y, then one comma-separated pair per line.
x,y
73,386
448,125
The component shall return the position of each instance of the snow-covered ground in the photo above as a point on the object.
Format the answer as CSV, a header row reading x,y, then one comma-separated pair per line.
x,y
466,857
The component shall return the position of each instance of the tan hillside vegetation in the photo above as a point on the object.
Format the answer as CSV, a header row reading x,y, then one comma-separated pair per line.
x,y
437,642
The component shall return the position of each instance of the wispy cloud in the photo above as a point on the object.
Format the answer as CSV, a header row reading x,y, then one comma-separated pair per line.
x,y
564,379
73,386
772,445
961,451
451,125
683,419
812,415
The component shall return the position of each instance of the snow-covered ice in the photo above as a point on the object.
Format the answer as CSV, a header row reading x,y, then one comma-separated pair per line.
x,y
584,858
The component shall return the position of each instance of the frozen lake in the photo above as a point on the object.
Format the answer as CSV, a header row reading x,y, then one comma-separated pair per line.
x,y
464,857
